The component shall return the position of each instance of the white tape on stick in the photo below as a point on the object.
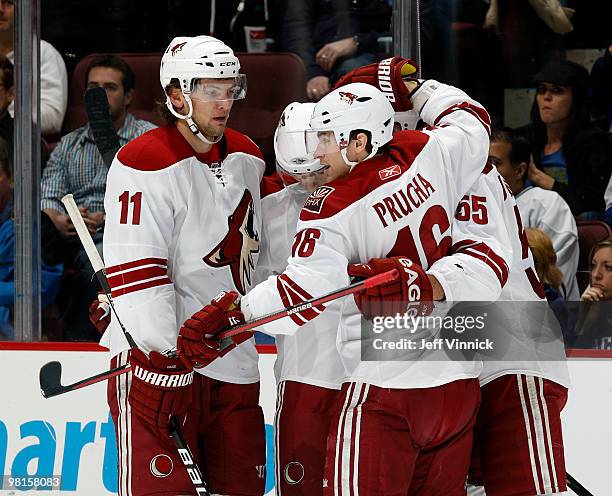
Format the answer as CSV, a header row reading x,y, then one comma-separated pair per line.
x,y
83,233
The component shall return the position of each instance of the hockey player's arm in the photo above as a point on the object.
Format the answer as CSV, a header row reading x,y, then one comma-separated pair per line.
x,y
140,218
461,128
478,266
317,265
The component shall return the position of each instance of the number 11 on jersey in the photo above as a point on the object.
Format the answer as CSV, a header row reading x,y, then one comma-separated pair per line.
x,y
125,200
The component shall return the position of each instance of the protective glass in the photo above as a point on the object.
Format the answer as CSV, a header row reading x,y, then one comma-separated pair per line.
x,y
217,90
321,143
305,183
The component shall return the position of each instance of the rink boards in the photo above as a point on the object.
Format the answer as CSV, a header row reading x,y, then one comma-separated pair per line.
x,y
71,439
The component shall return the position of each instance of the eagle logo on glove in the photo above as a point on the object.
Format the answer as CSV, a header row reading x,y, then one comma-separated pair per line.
x,y
241,242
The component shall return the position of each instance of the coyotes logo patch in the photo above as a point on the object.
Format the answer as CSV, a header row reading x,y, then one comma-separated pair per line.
x,y
236,249
314,203
347,97
177,48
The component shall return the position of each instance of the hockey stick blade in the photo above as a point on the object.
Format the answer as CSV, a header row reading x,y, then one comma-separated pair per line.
x,y
101,124
50,379
370,282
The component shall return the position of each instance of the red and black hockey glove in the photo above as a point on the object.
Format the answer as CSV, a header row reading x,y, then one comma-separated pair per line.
x,y
99,313
161,387
198,343
388,76
410,292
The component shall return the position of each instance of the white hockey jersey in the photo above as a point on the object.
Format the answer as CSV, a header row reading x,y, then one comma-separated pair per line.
x,y
180,228
522,287
309,356
546,210
399,203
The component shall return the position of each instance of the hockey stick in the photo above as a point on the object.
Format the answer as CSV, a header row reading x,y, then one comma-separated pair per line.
x,y
50,380
50,373
94,258
370,282
101,124
575,486
193,471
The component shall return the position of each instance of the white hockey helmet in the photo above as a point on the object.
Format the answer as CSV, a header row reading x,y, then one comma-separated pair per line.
x,y
294,162
406,120
351,107
189,59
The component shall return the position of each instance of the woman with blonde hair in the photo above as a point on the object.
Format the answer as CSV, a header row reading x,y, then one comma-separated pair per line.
x,y
550,276
546,263
594,327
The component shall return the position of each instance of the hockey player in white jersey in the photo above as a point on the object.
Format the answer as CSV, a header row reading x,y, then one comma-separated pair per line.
x,y
398,201
540,208
182,223
519,442
308,369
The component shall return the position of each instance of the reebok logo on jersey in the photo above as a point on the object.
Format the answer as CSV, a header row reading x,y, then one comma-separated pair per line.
x,y
314,203
177,48
389,172
384,79
164,380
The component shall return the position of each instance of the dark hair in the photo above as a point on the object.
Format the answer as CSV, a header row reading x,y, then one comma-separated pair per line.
x,y
115,62
6,66
520,150
353,135
564,73
162,109
6,158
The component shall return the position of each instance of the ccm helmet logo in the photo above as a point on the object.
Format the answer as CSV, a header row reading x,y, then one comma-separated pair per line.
x,y
225,64
414,290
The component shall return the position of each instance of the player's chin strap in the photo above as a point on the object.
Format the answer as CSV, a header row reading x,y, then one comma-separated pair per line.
x,y
193,127
353,164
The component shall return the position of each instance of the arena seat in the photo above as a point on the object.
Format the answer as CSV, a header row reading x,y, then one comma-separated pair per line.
x,y
274,79
590,232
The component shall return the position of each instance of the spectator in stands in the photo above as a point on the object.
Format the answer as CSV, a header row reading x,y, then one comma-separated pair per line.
x,y
571,156
549,274
546,210
7,93
608,200
594,327
53,76
333,37
50,274
601,83
76,167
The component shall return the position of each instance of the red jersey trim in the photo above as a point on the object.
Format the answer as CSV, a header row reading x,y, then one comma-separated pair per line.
x,y
136,276
270,184
163,147
481,114
481,251
365,177
136,263
291,294
139,287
